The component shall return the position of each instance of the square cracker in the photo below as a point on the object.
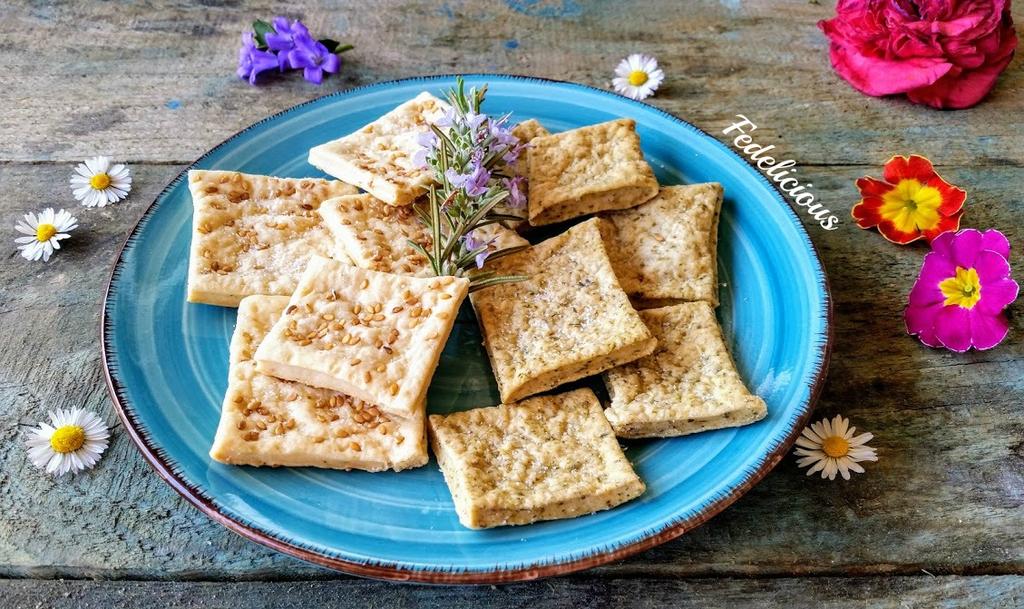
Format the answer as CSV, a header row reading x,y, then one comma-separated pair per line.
x,y
548,457
252,234
569,320
688,384
379,157
376,235
587,170
374,336
665,250
268,421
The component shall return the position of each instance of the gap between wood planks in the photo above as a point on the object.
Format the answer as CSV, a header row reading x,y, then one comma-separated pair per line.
x,y
626,572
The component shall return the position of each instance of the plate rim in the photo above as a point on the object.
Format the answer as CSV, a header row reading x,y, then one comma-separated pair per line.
x,y
434,575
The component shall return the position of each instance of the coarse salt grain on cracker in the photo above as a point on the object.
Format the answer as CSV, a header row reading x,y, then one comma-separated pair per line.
x,y
374,336
665,250
689,384
548,457
587,170
376,235
379,157
253,234
268,421
568,320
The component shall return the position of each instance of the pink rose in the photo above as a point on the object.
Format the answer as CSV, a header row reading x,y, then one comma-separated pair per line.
x,y
946,54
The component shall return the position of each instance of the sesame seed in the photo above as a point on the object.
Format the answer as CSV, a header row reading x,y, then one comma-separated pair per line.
x,y
393,389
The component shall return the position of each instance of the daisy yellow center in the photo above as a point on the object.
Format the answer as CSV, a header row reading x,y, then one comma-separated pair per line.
x,y
44,232
912,206
99,181
67,439
963,289
835,446
637,77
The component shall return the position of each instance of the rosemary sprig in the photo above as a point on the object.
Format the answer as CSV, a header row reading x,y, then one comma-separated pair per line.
x,y
471,157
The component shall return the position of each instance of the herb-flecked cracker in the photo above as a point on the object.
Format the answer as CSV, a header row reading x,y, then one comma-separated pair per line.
x,y
689,384
547,457
568,320
374,336
587,170
253,234
665,250
379,157
269,421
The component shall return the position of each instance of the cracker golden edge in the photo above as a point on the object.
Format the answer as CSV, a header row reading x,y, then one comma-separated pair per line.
x,y
317,378
630,193
343,169
751,410
645,301
221,452
560,376
193,294
477,516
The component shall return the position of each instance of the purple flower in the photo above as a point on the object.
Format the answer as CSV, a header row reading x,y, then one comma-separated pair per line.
x,y
474,182
313,57
474,120
447,119
503,136
282,39
471,242
252,61
516,192
428,142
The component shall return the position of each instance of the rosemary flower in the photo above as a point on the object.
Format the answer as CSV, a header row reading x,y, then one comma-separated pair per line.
x,y
472,158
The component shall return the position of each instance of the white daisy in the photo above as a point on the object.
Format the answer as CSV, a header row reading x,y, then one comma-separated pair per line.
x,y
96,183
832,448
638,76
72,442
43,233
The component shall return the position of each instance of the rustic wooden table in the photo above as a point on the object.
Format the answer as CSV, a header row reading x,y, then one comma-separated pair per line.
x,y
938,518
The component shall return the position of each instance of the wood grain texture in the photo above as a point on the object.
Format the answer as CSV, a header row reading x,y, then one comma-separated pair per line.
x,y
1006,592
155,81
946,495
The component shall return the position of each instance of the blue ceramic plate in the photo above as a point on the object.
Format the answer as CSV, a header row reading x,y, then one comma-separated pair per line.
x,y
167,364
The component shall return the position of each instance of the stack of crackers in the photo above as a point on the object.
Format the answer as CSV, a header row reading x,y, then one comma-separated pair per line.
x,y
341,322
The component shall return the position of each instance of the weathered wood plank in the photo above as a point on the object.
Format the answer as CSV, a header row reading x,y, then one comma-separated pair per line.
x,y
155,81
946,495
1006,592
